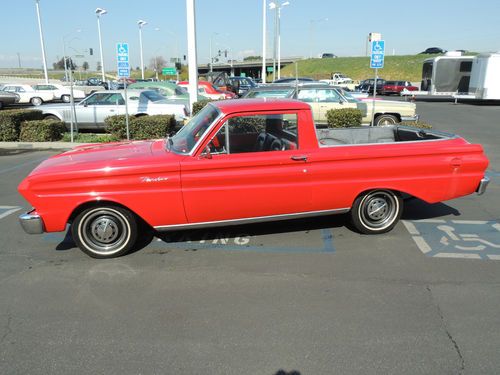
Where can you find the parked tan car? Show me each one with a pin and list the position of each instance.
(322, 98)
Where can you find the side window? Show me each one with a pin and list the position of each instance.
(328, 96)
(243, 134)
(307, 96)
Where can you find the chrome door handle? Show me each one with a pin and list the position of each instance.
(299, 158)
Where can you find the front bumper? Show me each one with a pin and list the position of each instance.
(482, 185)
(410, 118)
(32, 223)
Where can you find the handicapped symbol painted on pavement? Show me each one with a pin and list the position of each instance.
(456, 238)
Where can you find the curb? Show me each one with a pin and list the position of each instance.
(39, 145)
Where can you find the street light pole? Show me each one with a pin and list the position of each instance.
(141, 23)
(191, 44)
(44, 58)
(279, 36)
(264, 39)
(99, 12)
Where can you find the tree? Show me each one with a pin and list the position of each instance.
(85, 65)
(157, 62)
(59, 65)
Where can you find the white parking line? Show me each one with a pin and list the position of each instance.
(10, 210)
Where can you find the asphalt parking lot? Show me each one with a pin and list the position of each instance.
(310, 296)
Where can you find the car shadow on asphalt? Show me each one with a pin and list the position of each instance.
(417, 209)
(255, 230)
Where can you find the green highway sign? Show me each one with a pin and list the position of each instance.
(269, 69)
(169, 71)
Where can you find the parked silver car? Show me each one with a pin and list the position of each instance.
(91, 112)
(8, 98)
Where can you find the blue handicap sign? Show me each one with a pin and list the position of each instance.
(377, 55)
(123, 65)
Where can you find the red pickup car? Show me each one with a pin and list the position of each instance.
(395, 87)
(242, 161)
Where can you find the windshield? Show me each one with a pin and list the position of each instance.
(154, 96)
(185, 140)
(348, 96)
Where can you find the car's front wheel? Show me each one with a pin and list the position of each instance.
(105, 231)
(376, 211)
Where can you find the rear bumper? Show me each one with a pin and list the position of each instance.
(32, 223)
(482, 185)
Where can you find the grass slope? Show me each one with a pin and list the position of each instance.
(358, 68)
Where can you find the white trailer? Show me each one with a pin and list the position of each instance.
(485, 77)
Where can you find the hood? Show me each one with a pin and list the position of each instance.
(95, 157)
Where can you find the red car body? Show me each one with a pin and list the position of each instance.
(170, 191)
(210, 90)
(395, 87)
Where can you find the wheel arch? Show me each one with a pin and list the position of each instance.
(102, 202)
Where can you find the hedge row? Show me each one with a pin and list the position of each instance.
(343, 118)
(11, 120)
(199, 105)
(42, 131)
(142, 127)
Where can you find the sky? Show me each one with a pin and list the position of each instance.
(308, 27)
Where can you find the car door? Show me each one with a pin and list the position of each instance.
(91, 112)
(254, 169)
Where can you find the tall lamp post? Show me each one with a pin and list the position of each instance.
(44, 58)
(264, 39)
(141, 23)
(99, 12)
(277, 36)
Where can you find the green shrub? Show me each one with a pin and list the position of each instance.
(199, 105)
(42, 131)
(151, 127)
(116, 126)
(142, 127)
(417, 124)
(343, 118)
(10, 122)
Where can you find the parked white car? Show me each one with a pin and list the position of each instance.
(93, 110)
(60, 92)
(28, 94)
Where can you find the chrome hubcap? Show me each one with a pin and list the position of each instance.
(104, 230)
(379, 209)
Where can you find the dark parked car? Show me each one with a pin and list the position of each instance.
(243, 84)
(433, 50)
(367, 85)
(8, 98)
(328, 56)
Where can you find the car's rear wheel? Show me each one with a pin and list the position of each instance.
(386, 120)
(376, 211)
(65, 98)
(105, 231)
(36, 101)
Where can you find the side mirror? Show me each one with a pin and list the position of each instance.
(206, 153)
